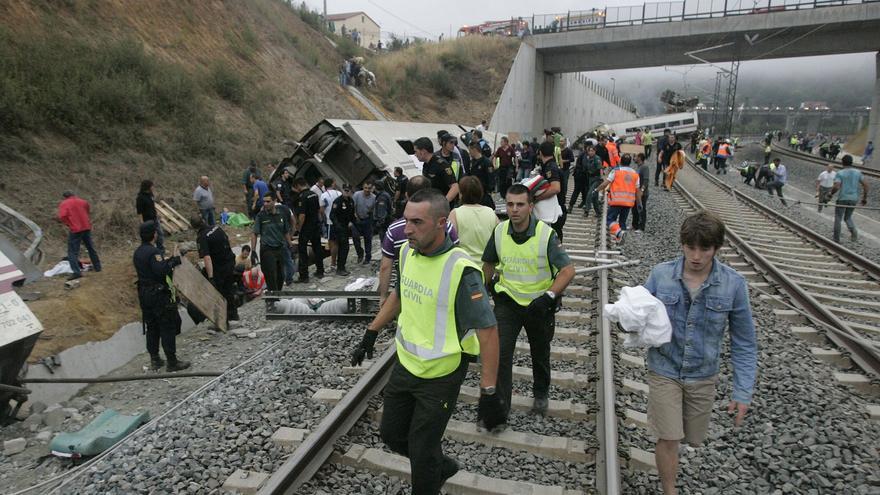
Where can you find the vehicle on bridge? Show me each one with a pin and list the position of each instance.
(509, 27)
(682, 124)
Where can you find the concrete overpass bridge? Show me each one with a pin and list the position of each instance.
(539, 91)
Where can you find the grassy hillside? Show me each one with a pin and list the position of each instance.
(457, 80)
(97, 95)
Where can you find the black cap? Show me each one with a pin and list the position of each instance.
(147, 229)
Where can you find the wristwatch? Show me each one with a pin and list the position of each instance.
(551, 294)
(487, 390)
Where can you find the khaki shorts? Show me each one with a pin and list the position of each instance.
(680, 410)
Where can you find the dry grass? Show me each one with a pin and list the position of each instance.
(421, 81)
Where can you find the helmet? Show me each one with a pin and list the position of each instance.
(727, 141)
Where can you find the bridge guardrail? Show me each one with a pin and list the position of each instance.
(674, 11)
(23, 232)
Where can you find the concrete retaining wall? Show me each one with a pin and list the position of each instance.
(533, 100)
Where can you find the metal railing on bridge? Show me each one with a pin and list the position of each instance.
(659, 12)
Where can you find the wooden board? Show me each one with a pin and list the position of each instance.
(176, 214)
(169, 220)
(196, 288)
(632, 149)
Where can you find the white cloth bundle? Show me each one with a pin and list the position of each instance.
(642, 315)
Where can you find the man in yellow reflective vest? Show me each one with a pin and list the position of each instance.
(533, 270)
(443, 321)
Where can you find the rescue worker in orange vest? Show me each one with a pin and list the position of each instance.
(725, 151)
(676, 162)
(613, 153)
(705, 151)
(623, 193)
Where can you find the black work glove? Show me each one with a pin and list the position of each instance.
(490, 411)
(542, 304)
(255, 260)
(364, 348)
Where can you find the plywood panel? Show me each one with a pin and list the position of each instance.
(196, 288)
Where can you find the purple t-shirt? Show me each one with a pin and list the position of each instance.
(394, 237)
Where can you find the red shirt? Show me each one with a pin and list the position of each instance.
(506, 156)
(74, 212)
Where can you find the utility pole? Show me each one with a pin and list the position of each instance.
(730, 105)
(326, 22)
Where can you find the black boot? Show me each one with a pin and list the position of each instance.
(156, 362)
(175, 364)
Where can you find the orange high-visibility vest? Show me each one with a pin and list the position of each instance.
(623, 188)
(706, 149)
(613, 154)
(724, 150)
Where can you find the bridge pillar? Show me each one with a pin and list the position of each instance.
(874, 117)
(533, 100)
(789, 122)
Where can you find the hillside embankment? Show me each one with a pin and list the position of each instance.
(96, 96)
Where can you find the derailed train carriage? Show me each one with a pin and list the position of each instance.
(352, 151)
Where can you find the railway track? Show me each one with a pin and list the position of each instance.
(808, 157)
(831, 286)
(583, 368)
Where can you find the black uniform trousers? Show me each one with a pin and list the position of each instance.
(162, 324)
(272, 264)
(640, 212)
(224, 282)
(416, 411)
(580, 189)
(343, 233)
(539, 329)
(310, 236)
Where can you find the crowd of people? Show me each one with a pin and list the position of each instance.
(445, 254)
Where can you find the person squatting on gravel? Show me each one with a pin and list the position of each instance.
(533, 269)
(846, 186)
(435, 343)
(158, 298)
(702, 297)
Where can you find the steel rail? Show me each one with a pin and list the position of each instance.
(855, 259)
(818, 160)
(607, 463)
(308, 458)
(862, 356)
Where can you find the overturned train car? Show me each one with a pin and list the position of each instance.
(352, 151)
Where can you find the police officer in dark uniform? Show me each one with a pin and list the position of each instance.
(342, 216)
(308, 221)
(436, 169)
(283, 192)
(219, 261)
(158, 298)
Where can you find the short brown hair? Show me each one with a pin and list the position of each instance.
(471, 190)
(702, 229)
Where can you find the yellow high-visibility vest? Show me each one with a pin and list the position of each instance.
(523, 269)
(427, 336)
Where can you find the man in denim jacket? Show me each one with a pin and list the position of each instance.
(702, 296)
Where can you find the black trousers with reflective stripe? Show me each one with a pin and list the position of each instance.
(540, 329)
(415, 413)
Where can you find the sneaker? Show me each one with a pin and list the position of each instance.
(301, 280)
(176, 365)
(540, 406)
(74, 276)
(342, 273)
(319, 275)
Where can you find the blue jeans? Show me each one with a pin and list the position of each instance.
(73, 242)
(208, 216)
(619, 213)
(845, 214)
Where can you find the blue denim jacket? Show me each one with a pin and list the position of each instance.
(698, 326)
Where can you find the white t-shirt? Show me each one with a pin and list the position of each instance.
(327, 200)
(317, 189)
(826, 178)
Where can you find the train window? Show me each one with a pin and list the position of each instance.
(632, 130)
(674, 123)
(687, 121)
(659, 126)
(407, 146)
